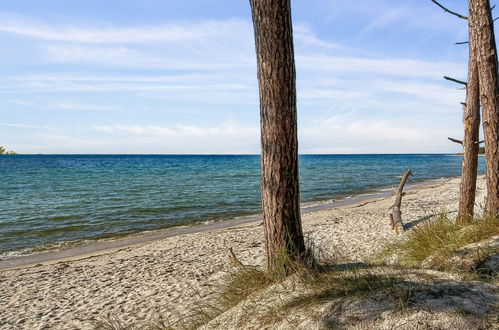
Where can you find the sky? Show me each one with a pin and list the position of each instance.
(176, 77)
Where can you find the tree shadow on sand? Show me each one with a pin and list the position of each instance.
(415, 222)
(406, 303)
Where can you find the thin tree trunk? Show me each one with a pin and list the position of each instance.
(279, 165)
(483, 25)
(470, 143)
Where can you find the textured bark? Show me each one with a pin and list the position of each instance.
(483, 25)
(396, 215)
(470, 143)
(279, 165)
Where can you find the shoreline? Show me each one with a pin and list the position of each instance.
(163, 280)
(113, 244)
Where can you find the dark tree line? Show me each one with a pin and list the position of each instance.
(3, 151)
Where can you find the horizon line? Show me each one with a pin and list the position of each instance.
(222, 154)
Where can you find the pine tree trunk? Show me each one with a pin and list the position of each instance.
(471, 121)
(279, 141)
(481, 21)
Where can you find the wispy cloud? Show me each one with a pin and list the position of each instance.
(178, 32)
(24, 126)
(305, 37)
(351, 99)
(385, 19)
(228, 137)
(386, 66)
(226, 129)
(406, 15)
(44, 104)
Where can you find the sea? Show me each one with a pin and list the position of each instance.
(48, 201)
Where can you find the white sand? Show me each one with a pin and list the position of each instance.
(168, 276)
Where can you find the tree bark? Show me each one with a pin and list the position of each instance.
(396, 215)
(483, 25)
(279, 141)
(471, 120)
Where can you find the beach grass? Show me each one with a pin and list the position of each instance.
(324, 277)
(434, 242)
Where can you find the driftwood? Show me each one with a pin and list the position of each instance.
(233, 259)
(396, 215)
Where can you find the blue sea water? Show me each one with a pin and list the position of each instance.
(46, 199)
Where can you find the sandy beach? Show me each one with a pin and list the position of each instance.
(166, 277)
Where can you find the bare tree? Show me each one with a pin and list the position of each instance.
(471, 121)
(279, 141)
(471, 141)
(482, 24)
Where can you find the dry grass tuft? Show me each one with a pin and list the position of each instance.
(329, 285)
(434, 241)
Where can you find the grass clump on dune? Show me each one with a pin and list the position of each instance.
(433, 242)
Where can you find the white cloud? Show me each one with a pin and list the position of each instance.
(386, 66)
(43, 104)
(226, 129)
(24, 126)
(305, 37)
(173, 32)
(346, 134)
(404, 15)
(212, 63)
(386, 18)
(226, 138)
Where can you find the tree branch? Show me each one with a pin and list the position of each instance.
(461, 142)
(455, 140)
(461, 43)
(456, 80)
(449, 11)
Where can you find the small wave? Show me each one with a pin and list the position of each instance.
(56, 246)
(208, 222)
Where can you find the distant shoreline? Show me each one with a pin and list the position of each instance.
(230, 154)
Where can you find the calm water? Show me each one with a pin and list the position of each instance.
(54, 198)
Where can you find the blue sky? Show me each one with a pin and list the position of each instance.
(164, 76)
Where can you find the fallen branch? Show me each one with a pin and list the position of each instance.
(396, 215)
(233, 259)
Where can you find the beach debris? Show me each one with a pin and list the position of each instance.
(396, 215)
(233, 259)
